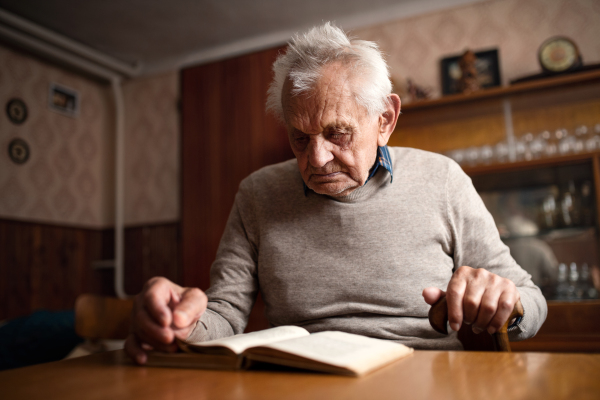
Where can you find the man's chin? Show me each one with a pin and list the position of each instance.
(333, 189)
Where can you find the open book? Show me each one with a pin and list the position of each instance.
(292, 346)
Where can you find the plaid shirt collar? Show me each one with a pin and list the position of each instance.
(383, 160)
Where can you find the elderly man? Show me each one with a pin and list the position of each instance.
(351, 235)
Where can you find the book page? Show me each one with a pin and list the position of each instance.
(241, 342)
(354, 352)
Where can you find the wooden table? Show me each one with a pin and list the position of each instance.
(432, 375)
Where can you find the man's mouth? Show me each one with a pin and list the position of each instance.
(325, 177)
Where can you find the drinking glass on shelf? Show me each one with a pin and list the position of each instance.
(486, 154)
(562, 287)
(472, 156)
(520, 150)
(550, 148)
(581, 136)
(457, 155)
(567, 145)
(573, 278)
(501, 152)
(536, 147)
(581, 130)
(586, 286)
(549, 212)
(560, 133)
(593, 143)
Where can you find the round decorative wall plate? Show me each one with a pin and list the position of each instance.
(18, 151)
(16, 111)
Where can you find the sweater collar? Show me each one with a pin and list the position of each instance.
(383, 160)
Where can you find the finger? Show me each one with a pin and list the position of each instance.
(506, 303)
(146, 347)
(487, 308)
(190, 308)
(432, 295)
(152, 333)
(157, 296)
(476, 287)
(454, 297)
(147, 343)
(134, 350)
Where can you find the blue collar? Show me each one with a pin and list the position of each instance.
(383, 159)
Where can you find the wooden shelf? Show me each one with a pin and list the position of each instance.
(503, 91)
(533, 164)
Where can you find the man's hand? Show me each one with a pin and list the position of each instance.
(162, 312)
(478, 298)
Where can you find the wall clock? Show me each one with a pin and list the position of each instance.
(559, 54)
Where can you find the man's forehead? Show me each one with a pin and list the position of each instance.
(330, 102)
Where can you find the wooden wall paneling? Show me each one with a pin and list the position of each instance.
(14, 278)
(151, 251)
(226, 135)
(47, 267)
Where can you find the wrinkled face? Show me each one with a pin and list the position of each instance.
(333, 138)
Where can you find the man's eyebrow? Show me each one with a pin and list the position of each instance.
(343, 128)
(297, 132)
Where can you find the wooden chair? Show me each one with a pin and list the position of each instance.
(99, 317)
(438, 318)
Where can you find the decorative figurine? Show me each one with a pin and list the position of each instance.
(468, 82)
(416, 92)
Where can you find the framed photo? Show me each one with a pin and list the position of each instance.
(488, 71)
(63, 100)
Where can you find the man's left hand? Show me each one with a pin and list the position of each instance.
(478, 298)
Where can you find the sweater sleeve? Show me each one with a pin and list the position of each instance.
(233, 275)
(477, 244)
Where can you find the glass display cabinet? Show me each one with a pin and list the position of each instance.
(533, 153)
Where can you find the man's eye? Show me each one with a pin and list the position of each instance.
(301, 142)
(339, 138)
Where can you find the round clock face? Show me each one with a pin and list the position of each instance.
(559, 54)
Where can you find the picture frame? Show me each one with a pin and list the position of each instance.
(63, 100)
(488, 71)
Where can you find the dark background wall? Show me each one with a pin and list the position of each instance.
(226, 135)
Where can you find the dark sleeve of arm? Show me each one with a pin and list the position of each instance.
(477, 244)
(233, 275)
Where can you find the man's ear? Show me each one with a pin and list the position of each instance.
(388, 119)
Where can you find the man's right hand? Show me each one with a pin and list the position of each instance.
(162, 312)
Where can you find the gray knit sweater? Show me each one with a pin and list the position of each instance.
(357, 264)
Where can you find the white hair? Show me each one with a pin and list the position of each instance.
(306, 56)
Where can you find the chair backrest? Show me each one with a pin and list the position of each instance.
(100, 317)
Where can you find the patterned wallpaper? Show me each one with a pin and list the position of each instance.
(65, 180)
(516, 27)
(69, 178)
(152, 149)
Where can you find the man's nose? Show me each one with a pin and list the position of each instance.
(319, 153)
